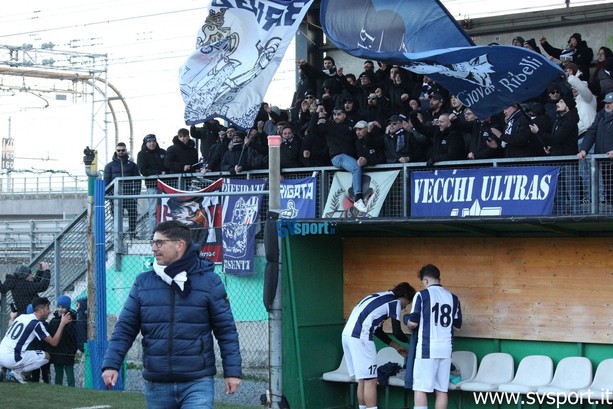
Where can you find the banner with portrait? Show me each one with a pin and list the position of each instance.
(202, 214)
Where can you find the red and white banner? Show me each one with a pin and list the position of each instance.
(202, 214)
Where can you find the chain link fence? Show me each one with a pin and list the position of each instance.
(128, 253)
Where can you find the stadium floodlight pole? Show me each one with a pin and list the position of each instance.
(273, 272)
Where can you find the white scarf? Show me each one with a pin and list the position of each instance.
(179, 279)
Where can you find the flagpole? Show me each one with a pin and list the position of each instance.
(274, 272)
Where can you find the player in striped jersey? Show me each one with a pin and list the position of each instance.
(365, 321)
(435, 314)
(13, 348)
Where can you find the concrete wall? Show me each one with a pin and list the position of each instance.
(37, 207)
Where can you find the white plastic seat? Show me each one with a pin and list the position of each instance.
(389, 354)
(533, 371)
(385, 355)
(572, 374)
(495, 369)
(466, 362)
(398, 379)
(602, 383)
(340, 374)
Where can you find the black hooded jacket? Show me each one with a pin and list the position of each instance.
(151, 163)
(564, 135)
(180, 154)
(23, 290)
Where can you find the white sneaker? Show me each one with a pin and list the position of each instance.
(360, 206)
(18, 376)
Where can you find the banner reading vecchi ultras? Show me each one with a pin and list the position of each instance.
(512, 191)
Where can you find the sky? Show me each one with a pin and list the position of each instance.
(146, 43)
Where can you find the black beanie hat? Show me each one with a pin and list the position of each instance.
(569, 100)
(149, 137)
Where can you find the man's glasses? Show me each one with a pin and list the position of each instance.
(338, 113)
(121, 150)
(554, 92)
(159, 243)
(309, 97)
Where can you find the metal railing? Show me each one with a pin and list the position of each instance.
(33, 240)
(68, 254)
(31, 184)
(24, 239)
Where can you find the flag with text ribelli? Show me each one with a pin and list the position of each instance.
(238, 50)
(421, 36)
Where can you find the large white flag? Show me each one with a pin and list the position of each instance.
(238, 50)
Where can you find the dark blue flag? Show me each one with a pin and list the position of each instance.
(298, 198)
(484, 192)
(421, 36)
(240, 223)
(390, 28)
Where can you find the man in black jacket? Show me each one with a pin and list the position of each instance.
(563, 141)
(369, 144)
(150, 161)
(291, 148)
(447, 141)
(600, 135)
(341, 146)
(122, 166)
(24, 286)
(236, 159)
(402, 143)
(517, 140)
(182, 155)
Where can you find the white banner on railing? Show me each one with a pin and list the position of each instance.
(375, 186)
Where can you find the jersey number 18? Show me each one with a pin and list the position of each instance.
(442, 314)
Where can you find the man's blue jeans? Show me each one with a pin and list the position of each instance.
(198, 394)
(152, 202)
(350, 164)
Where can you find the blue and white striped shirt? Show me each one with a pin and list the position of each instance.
(370, 313)
(437, 311)
(21, 333)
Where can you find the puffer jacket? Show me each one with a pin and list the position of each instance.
(151, 163)
(117, 168)
(599, 134)
(180, 154)
(178, 331)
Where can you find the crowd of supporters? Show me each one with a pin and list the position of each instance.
(387, 114)
(408, 117)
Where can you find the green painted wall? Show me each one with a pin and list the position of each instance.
(245, 292)
(312, 321)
